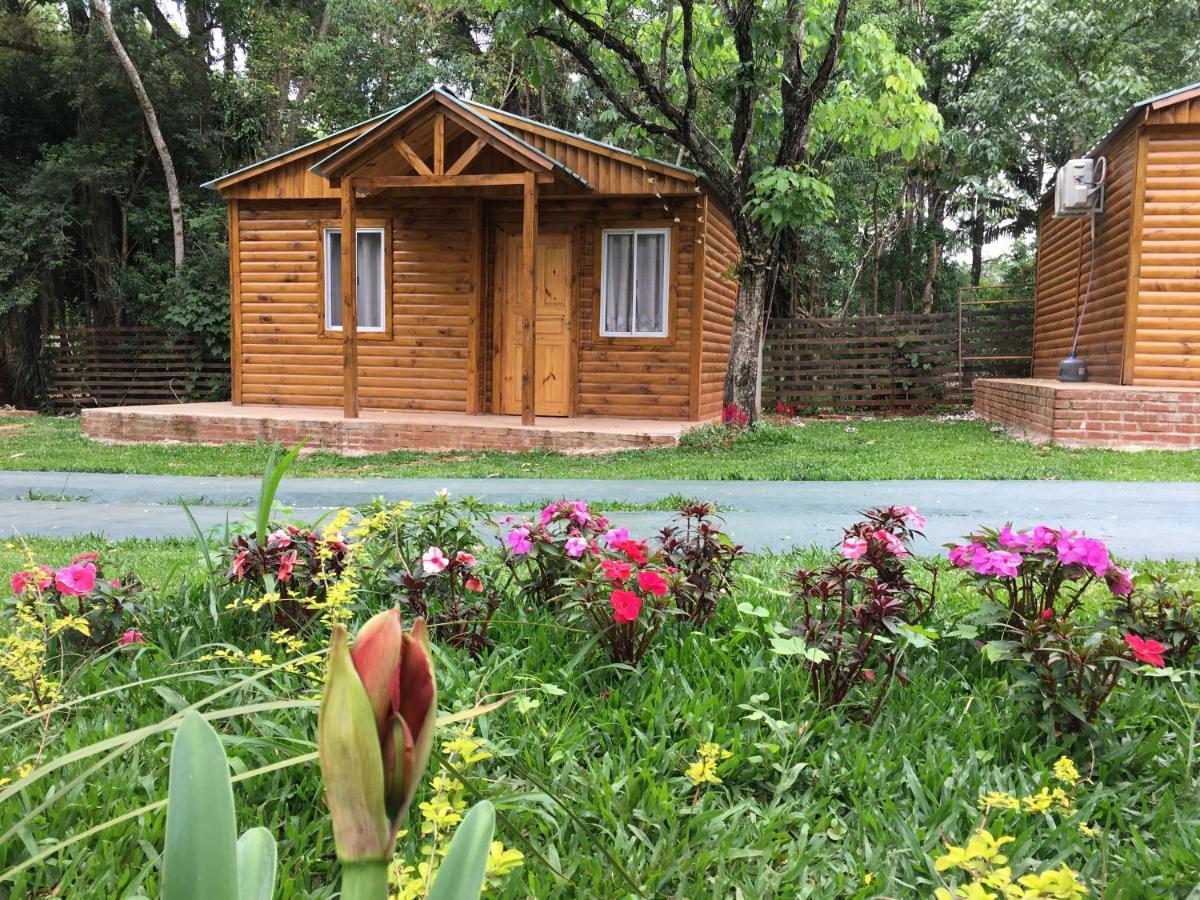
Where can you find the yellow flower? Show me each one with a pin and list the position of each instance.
(999, 800)
(438, 812)
(1088, 831)
(1065, 771)
(981, 848)
(868, 878)
(466, 747)
(1037, 803)
(1055, 884)
(502, 860)
(1061, 799)
(24, 770)
(703, 771)
(972, 891)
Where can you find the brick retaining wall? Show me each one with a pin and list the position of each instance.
(1124, 417)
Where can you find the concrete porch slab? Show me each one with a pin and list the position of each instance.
(374, 431)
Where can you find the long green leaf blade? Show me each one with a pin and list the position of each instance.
(256, 865)
(460, 876)
(200, 861)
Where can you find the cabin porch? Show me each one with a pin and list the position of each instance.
(373, 431)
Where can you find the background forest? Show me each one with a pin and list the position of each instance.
(85, 223)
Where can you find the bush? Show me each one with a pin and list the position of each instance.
(853, 611)
(77, 601)
(544, 552)
(1160, 611)
(694, 545)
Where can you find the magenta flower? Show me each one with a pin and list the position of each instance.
(547, 514)
(20, 581)
(964, 554)
(1119, 582)
(77, 579)
(626, 605)
(997, 562)
(575, 547)
(894, 545)
(239, 564)
(279, 539)
(854, 547)
(616, 536)
(1043, 536)
(1014, 540)
(132, 636)
(912, 517)
(518, 541)
(286, 563)
(434, 560)
(579, 512)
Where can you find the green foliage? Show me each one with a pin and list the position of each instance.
(460, 876)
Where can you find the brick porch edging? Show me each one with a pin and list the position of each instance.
(1121, 417)
(353, 436)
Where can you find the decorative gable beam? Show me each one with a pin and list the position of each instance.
(469, 154)
(414, 160)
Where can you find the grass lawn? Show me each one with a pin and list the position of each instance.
(587, 763)
(821, 450)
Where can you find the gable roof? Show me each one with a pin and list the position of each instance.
(503, 127)
(1159, 101)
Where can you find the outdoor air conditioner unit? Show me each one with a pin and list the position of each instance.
(1077, 190)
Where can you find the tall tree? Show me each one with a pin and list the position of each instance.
(743, 89)
(164, 155)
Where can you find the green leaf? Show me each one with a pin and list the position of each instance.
(750, 609)
(789, 646)
(200, 860)
(270, 485)
(460, 876)
(256, 865)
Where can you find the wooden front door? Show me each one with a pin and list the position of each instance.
(553, 289)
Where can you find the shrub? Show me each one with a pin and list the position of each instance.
(77, 601)
(1160, 611)
(694, 544)
(420, 555)
(543, 552)
(733, 416)
(620, 594)
(290, 570)
(852, 611)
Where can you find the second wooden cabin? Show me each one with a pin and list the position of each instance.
(503, 266)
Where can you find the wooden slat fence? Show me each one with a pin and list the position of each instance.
(906, 363)
(126, 366)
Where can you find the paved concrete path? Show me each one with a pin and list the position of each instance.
(1159, 520)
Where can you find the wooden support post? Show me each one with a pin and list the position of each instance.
(529, 233)
(235, 303)
(475, 310)
(349, 301)
(439, 144)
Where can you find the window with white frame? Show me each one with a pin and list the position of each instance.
(369, 290)
(633, 289)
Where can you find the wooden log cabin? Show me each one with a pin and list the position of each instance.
(1142, 321)
(503, 266)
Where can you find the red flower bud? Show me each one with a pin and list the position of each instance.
(1047, 614)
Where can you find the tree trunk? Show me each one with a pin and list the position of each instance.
(978, 227)
(164, 155)
(744, 371)
(935, 253)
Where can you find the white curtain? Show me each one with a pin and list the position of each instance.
(635, 273)
(370, 288)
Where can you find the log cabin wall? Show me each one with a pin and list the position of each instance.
(1164, 343)
(286, 357)
(721, 255)
(1064, 260)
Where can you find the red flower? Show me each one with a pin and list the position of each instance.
(85, 557)
(1150, 652)
(615, 570)
(626, 605)
(652, 582)
(1047, 614)
(286, 562)
(869, 674)
(464, 558)
(634, 551)
(474, 584)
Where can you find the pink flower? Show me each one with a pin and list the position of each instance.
(626, 605)
(912, 517)
(279, 539)
(579, 512)
(616, 536)
(518, 541)
(132, 636)
(964, 554)
(1119, 582)
(1149, 652)
(434, 560)
(615, 569)
(239, 564)
(547, 514)
(652, 582)
(575, 547)
(1014, 540)
(85, 557)
(20, 581)
(894, 545)
(997, 562)
(1083, 551)
(463, 558)
(1043, 536)
(474, 585)
(854, 547)
(286, 563)
(76, 579)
